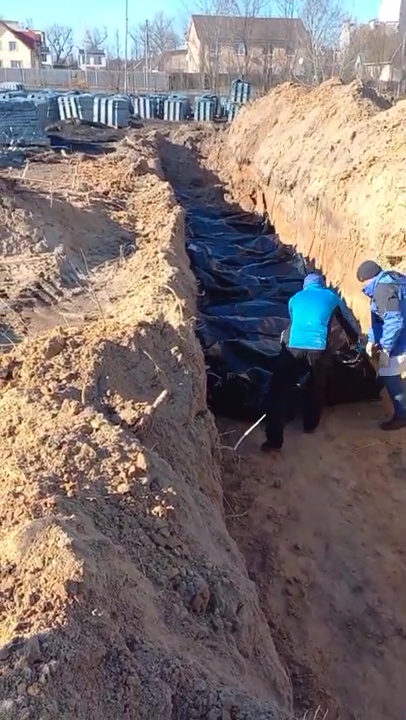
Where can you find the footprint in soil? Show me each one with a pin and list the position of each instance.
(396, 462)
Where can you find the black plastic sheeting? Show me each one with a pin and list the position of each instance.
(89, 147)
(246, 278)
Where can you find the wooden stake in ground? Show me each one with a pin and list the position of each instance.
(247, 432)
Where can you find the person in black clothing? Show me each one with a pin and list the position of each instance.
(302, 367)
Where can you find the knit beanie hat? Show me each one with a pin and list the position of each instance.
(314, 278)
(368, 270)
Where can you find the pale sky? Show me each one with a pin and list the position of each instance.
(97, 13)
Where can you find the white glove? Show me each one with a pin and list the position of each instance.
(370, 348)
(384, 359)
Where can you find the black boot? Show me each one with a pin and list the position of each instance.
(267, 447)
(393, 424)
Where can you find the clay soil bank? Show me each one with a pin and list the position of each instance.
(328, 165)
(321, 528)
(123, 593)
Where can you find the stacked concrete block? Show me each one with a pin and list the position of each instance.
(23, 121)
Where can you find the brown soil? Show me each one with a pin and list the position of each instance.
(321, 528)
(123, 593)
(132, 588)
(328, 165)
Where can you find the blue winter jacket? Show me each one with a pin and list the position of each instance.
(387, 292)
(312, 311)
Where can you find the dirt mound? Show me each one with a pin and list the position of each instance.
(63, 222)
(123, 591)
(328, 165)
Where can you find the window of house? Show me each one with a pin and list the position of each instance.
(97, 60)
(214, 48)
(268, 49)
(12, 46)
(16, 64)
(239, 48)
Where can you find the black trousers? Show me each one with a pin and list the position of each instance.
(298, 383)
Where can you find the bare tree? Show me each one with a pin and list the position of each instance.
(368, 50)
(323, 20)
(351, 45)
(216, 26)
(248, 58)
(95, 38)
(163, 36)
(60, 41)
(288, 8)
(234, 47)
(215, 7)
(115, 62)
(252, 8)
(154, 38)
(286, 57)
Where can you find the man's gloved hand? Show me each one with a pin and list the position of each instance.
(371, 349)
(384, 359)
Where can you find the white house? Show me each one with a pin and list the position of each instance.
(92, 58)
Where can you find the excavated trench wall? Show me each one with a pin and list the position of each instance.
(124, 593)
(328, 165)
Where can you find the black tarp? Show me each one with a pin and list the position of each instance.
(246, 277)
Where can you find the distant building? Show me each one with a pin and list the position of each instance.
(393, 12)
(172, 61)
(376, 51)
(92, 58)
(22, 48)
(244, 44)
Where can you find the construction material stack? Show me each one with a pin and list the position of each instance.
(113, 111)
(205, 108)
(13, 86)
(176, 109)
(240, 93)
(23, 121)
(144, 107)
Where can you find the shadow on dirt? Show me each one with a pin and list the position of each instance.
(65, 243)
(180, 163)
(246, 277)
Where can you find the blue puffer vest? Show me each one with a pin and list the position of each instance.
(311, 311)
(388, 327)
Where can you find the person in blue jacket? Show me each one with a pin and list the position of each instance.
(386, 291)
(304, 358)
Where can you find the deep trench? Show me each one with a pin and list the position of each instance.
(239, 348)
(245, 278)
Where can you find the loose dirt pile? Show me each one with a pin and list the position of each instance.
(61, 222)
(123, 593)
(328, 164)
